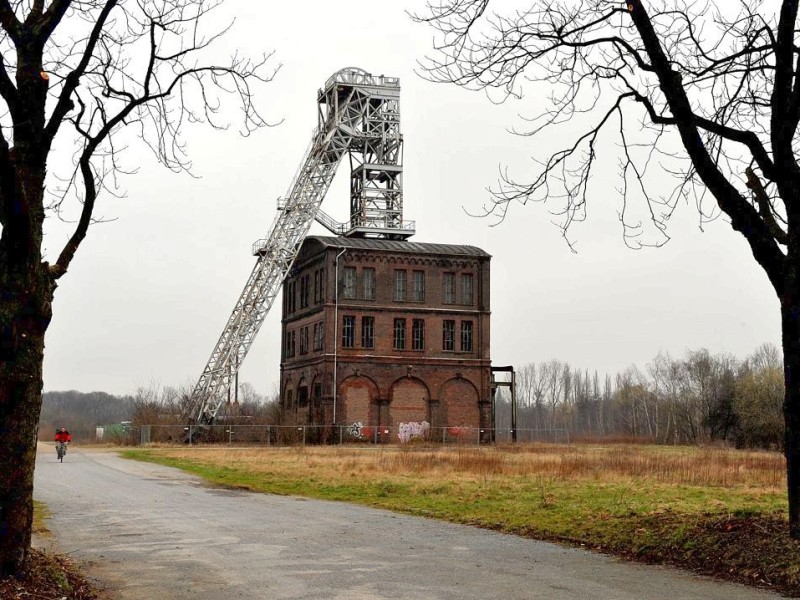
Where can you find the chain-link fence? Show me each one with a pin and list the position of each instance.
(353, 434)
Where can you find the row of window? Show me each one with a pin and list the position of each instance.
(318, 339)
(302, 395)
(450, 291)
(400, 338)
(305, 290)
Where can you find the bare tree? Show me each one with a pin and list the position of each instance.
(757, 398)
(87, 77)
(631, 396)
(666, 377)
(708, 92)
(553, 374)
(766, 356)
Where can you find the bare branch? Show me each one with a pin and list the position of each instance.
(9, 21)
(59, 268)
(765, 207)
(702, 76)
(156, 97)
(73, 79)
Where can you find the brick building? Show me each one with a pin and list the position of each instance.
(406, 339)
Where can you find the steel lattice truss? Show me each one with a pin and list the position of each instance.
(376, 174)
(359, 114)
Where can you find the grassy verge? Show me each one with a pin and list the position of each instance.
(719, 512)
(40, 515)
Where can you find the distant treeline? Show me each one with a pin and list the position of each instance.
(698, 398)
(81, 413)
(159, 405)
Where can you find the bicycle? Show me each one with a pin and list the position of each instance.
(61, 450)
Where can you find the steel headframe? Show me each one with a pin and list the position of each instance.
(358, 114)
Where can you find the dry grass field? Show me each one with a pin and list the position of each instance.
(716, 510)
(709, 467)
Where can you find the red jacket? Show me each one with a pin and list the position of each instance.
(63, 436)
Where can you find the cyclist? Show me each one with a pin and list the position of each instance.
(63, 438)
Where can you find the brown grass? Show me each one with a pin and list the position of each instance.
(706, 467)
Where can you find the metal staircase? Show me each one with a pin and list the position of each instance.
(359, 115)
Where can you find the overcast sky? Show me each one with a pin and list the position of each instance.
(149, 292)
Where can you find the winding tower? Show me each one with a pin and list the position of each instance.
(358, 116)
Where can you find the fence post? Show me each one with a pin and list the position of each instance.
(444, 436)
(190, 435)
(268, 436)
(340, 434)
(304, 435)
(144, 434)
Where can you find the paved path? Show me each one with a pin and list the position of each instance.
(153, 532)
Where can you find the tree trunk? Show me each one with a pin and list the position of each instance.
(25, 312)
(26, 292)
(790, 318)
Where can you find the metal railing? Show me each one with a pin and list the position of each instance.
(354, 434)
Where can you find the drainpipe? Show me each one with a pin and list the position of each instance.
(336, 329)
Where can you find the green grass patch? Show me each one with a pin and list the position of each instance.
(40, 515)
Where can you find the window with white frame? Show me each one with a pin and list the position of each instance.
(399, 334)
(349, 283)
(449, 288)
(418, 334)
(348, 331)
(466, 336)
(418, 286)
(448, 335)
(467, 287)
(368, 283)
(400, 285)
(367, 332)
(319, 335)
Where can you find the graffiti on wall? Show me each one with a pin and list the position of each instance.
(409, 431)
(405, 431)
(458, 432)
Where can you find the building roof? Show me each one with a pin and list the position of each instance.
(398, 246)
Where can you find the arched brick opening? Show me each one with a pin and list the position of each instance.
(357, 401)
(287, 398)
(408, 402)
(459, 403)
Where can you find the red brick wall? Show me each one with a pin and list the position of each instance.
(408, 402)
(356, 400)
(460, 400)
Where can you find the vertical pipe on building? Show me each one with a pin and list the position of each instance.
(513, 387)
(336, 327)
(481, 303)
